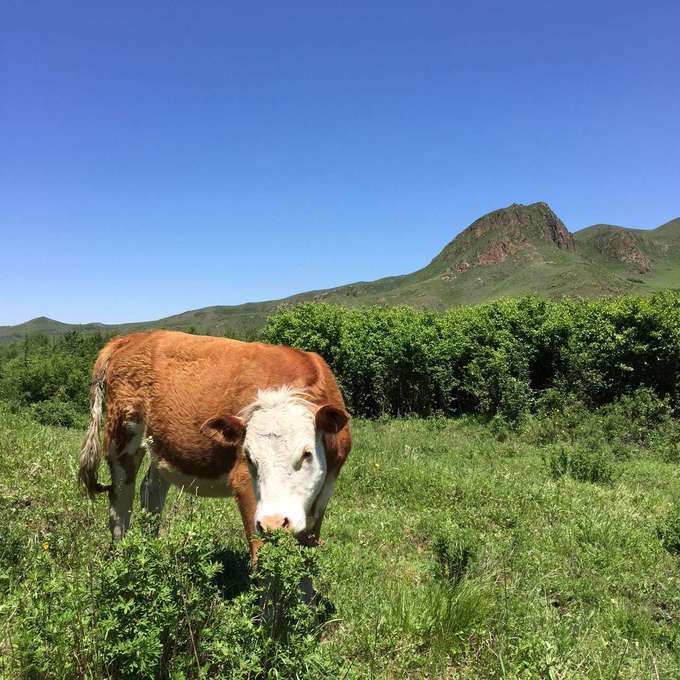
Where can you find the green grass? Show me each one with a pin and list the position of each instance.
(447, 554)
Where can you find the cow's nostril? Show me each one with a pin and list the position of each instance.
(285, 523)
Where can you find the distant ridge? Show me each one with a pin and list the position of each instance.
(515, 250)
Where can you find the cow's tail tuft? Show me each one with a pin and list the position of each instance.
(91, 453)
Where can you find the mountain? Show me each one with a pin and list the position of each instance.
(511, 251)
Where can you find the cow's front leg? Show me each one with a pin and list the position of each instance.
(246, 506)
(241, 488)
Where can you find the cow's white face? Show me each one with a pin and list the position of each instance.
(287, 463)
(281, 436)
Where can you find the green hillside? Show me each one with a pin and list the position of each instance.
(511, 251)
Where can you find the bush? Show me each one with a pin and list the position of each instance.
(634, 424)
(636, 418)
(669, 529)
(273, 632)
(156, 608)
(51, 376)
(153, 601)
(496, 358)
(505, 358)
(583, 464)
(56, 412)
(453, 550)
(670, 448)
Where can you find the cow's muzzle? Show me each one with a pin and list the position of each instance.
(273, 522)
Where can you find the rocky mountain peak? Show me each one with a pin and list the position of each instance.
(500, 234)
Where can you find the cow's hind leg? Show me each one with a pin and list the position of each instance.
(124, 456)
(154, 491)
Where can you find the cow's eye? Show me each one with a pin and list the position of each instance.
(306, 456)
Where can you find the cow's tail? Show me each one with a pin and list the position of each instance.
(91, 453)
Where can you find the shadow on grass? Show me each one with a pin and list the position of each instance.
(234, 578)
(326, 609)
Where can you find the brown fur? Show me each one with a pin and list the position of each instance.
(174, 383)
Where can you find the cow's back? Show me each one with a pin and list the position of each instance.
(174, 382)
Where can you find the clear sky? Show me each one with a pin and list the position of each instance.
(158, 157)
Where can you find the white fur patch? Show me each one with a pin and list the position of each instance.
(280, 430)
(210, 487)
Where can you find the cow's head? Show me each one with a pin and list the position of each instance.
(282, 438)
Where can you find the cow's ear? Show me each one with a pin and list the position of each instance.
(225, 430)
(331, 419)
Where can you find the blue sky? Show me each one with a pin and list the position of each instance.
(158, 157)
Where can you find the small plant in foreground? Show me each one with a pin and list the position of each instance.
(669, 529)
(453, 549)
(583, 464)
(270, 632)
(441, 616)
(154, 598)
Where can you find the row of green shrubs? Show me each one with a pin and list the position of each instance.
(501, 358)
(494, 358)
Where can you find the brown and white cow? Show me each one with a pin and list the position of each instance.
(263, 423)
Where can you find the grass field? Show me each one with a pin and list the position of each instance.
(452, 549)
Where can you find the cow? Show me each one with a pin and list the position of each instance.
(263, 423)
